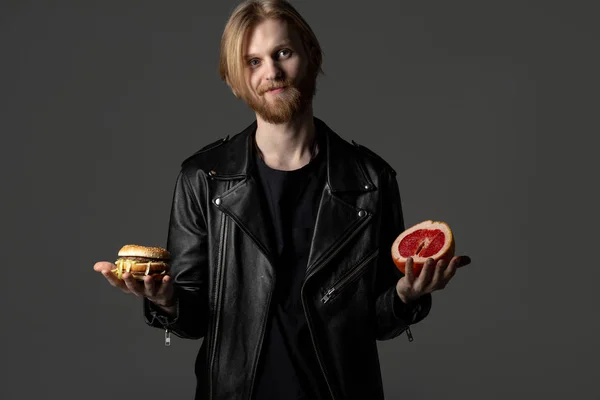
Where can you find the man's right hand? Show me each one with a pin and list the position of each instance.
(160, 293)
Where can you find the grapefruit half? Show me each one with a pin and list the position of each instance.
(427, 239)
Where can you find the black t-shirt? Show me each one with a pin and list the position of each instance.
(288, 367)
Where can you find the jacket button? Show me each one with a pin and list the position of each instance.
(362, 213)
(367, 187)
(218, 201)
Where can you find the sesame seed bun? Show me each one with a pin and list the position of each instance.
(134, 250)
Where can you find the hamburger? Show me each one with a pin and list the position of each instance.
(140, 261)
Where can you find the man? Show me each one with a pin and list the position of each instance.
(280, 237)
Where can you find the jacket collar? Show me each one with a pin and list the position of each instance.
(344, 169)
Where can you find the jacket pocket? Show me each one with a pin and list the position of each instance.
(348, 278)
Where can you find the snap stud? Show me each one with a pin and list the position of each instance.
(218, 201)
(362, 213)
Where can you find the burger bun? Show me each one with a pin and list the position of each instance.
(140, 261)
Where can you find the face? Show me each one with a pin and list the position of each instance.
(277, 72)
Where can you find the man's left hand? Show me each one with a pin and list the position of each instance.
(431, 278)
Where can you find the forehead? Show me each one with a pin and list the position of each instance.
(268, 34)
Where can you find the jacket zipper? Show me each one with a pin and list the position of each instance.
(219, 274)
(307, 313)
(261, 342)
(167, 337)
(341, 284)
(351, 276)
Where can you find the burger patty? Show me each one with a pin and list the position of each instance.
(144, 259)
(139, 267)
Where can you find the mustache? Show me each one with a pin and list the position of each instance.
(265, 88)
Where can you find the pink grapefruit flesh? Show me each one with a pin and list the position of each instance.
(427, 239)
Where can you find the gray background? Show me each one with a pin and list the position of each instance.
(480, 106)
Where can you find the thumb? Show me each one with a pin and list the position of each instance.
(104, 266)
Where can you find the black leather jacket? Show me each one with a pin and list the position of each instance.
(223, 275)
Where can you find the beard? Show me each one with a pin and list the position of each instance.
(283, 106)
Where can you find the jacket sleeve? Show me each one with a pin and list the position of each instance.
(393, 316)
(187, 243)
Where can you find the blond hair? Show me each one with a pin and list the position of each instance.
(244, 17)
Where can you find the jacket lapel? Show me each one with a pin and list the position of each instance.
(244, 201)
(338, 219)
(245, 204)
(337, 222)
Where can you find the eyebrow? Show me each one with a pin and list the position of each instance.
(280, 45)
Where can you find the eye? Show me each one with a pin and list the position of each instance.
(285, 53)
(253, 62)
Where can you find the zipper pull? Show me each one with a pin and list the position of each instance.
(167, 337)
(328, 295)
(409, 334)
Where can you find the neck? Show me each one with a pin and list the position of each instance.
(287, 146)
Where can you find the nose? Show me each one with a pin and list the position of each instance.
(273, 70)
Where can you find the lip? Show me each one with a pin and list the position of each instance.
(278, 90)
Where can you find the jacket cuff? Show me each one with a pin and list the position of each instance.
(412, 312)
(156, 317)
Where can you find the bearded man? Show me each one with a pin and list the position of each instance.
(280, 237)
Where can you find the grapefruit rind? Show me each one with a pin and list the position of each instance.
(446, 252)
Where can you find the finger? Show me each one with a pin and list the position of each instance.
(133, 285)
(424, 278)
(102, 266)
(408, 269)
(159, 291)
(451, 270)
(165, 291)
(463, 260)
(438, 274)
(150, 287)
(164, 286)
(114, 280)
